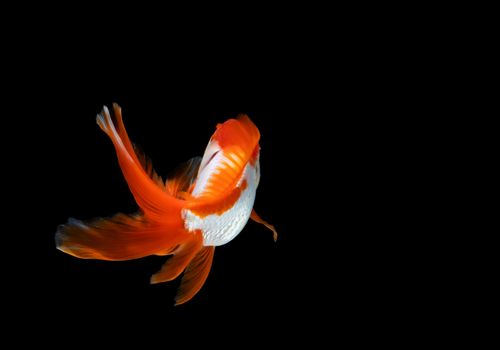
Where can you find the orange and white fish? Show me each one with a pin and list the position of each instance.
(206, 204)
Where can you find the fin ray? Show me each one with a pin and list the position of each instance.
(255, 217)
(176, 264)
(156, 203)
(183, 177)
(195, 275)
(121, 237)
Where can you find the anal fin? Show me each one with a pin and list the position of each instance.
(195, 275)
(182, 257)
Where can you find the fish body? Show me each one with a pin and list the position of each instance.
(205, 204)
(218, 229)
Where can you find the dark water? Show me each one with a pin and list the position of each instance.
(317, 187)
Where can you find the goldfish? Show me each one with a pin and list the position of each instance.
(206, 203)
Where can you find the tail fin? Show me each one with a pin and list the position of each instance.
(158, 229)
(121, 237)
(149, 193)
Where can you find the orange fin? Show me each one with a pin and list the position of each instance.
(156, 203)
(147, 165)
(179, 182)
(255, 217)
(195, 275)
(182, 256)
(121, 237)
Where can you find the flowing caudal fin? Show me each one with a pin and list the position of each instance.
(121, 237)
(147, 165)
(255, 217)
(195, 275)
(181, 258)
(149, 193)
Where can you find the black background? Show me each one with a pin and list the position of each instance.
(321, 160)
(70, 170)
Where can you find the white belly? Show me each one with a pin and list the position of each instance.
(220, 229)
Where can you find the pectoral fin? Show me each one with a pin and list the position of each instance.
(255, 217)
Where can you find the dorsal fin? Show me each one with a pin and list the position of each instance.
(179, 182)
